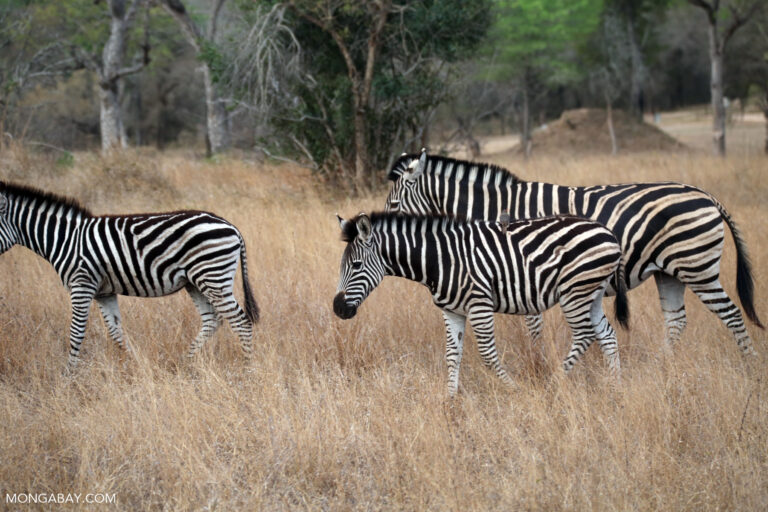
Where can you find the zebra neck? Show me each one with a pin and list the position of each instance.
(50, 230)
(419, 248)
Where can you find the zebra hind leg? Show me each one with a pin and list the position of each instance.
(671, 295)
(605, 335)
(577, 314)
(481, 319)
(534, 325)
(210, 318)
(111, 314)
(225, 304)
(455, 325)
(717, 301)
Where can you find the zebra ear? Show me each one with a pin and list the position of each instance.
(363, 223)
(418, 166)
(342, 222)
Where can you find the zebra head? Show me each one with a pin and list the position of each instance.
(361, 266)
(8, 234)
(407, 194)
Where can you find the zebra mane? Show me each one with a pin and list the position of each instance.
(349, 232)
(32, 193)
(491, 170)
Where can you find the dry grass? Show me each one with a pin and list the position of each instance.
(353, 415)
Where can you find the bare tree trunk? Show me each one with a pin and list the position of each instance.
(716, 78)
(611, 131)
(217, 118)
(637, 73)
(525, 135)
(361, 148)
(764, 106)
(111, 116)
(717, 42)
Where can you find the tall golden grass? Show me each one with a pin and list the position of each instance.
(348, 415)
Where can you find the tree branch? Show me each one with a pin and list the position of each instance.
(710, 9)
(212, 23)
(177, 10)
(739, 20)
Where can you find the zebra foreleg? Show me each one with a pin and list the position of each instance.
(455, 325)
(481, 319)
(671, 296)
(111, 314)
(717, 301)
(210, 318)
(81, 297)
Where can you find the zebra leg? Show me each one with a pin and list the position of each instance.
(211, 320)
(455, 325)
(81, 297)
(111, 314)
(671, 295)
(606, 336)
(481, 319)
(226, 305)
(714, 297)
(577, 314)
(534, 324)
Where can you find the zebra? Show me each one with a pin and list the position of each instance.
(143, 255)
(668, 230)
(475, 269)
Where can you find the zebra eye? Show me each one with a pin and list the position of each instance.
(357, 264)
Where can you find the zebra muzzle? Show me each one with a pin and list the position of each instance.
(341, 308)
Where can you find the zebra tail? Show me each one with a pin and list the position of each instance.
(251, 308)
(622, 302)
(745, 284)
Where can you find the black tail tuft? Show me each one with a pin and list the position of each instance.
(745, 284)
(622, 302)
(251, 308)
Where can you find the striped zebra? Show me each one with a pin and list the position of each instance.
(668, 230)
(475, 269)
(143, 255)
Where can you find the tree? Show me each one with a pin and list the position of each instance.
(737, 14)
(110, 71)
(372, 74)
(78, 36)
(533, 41)
(218, 136)
(328, 17)
(611, 63)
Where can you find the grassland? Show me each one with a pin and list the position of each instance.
(353, 415)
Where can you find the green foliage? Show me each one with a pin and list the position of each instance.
(66, 160)
(409, 80)
(211, 55)
(540, 35)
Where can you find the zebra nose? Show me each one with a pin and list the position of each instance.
(341, 308)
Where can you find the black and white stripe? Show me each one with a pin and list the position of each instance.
(144, 255)
(668, 230)
(475, 269)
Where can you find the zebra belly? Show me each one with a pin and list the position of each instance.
(137, 286)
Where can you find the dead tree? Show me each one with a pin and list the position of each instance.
(718, 39)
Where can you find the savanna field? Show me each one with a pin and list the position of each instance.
(354, 415)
